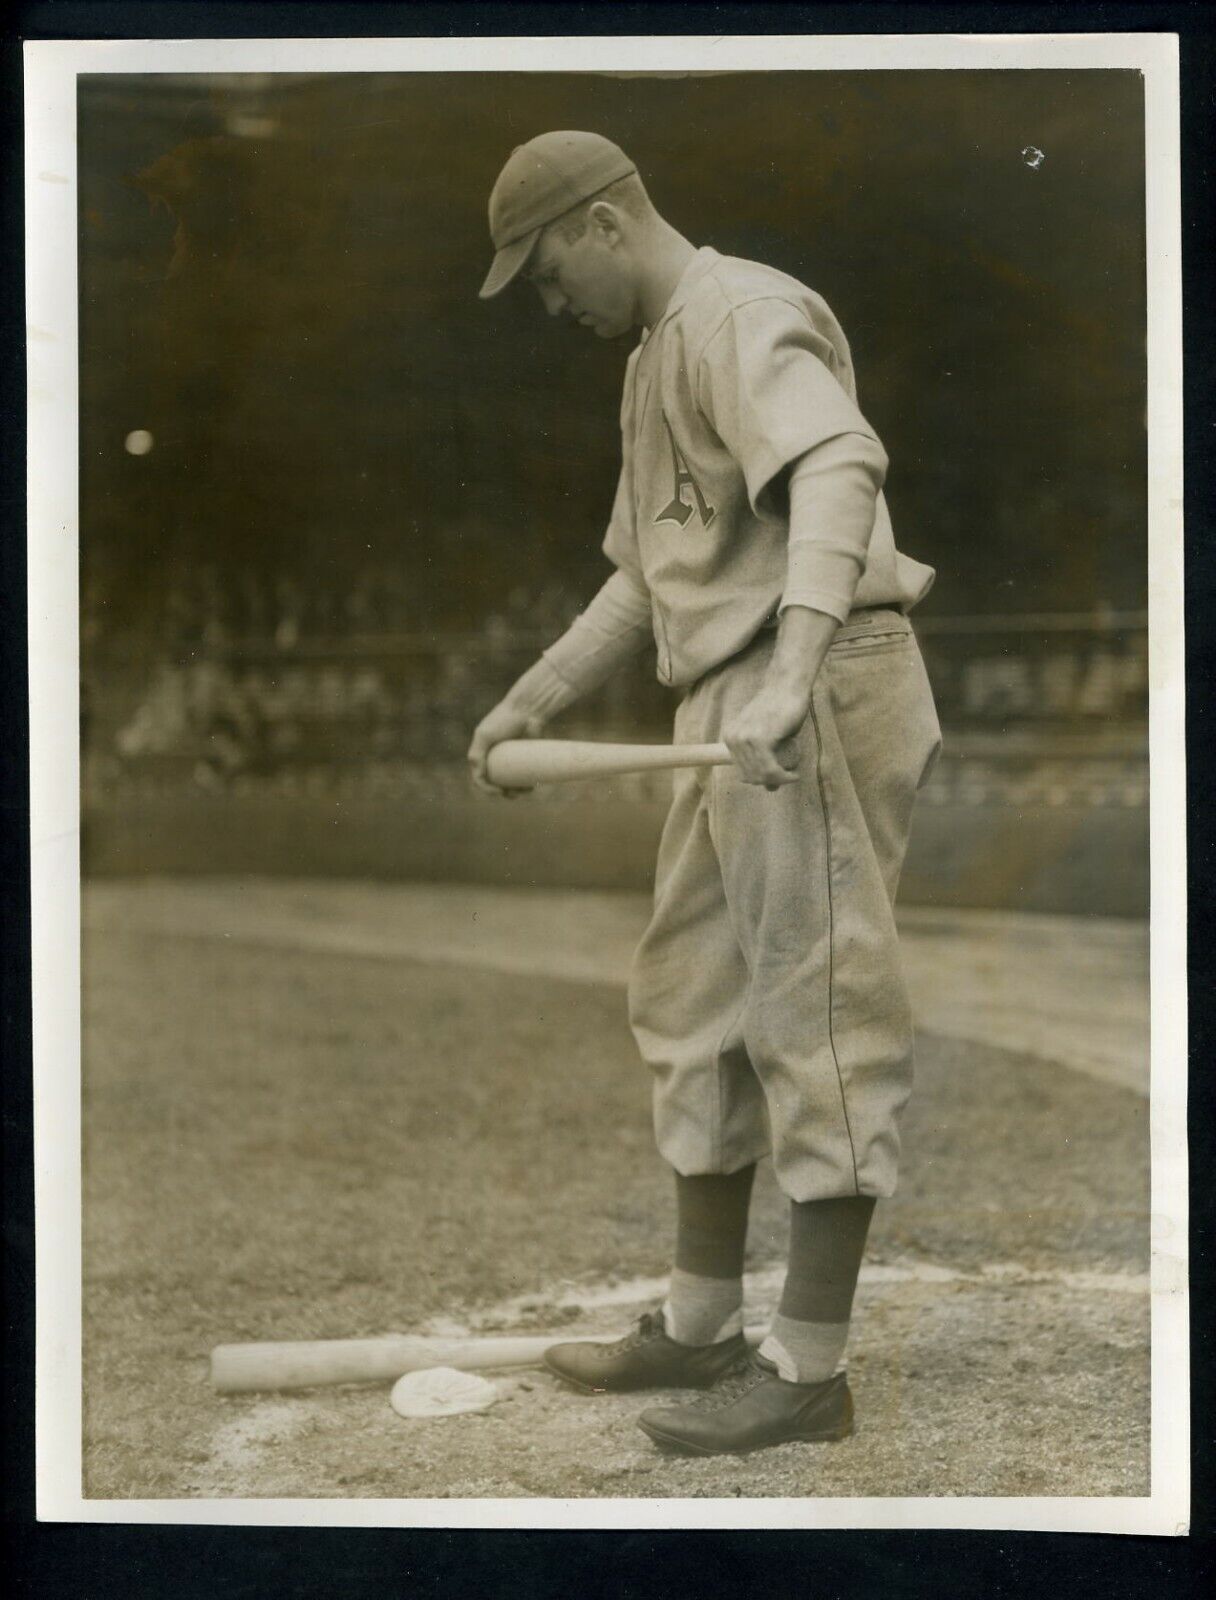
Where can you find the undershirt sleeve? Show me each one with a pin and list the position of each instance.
(833, 491)
(613, 629)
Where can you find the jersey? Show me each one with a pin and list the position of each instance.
(745, 372)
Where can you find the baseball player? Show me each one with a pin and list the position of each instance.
(750, 540)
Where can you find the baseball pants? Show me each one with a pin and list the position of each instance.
(766, 994)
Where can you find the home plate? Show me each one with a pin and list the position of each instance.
(441, 1392)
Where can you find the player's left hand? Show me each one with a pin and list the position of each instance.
(762, 737)
(503, 721)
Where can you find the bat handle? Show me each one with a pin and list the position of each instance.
(701, 755)
(521, 763)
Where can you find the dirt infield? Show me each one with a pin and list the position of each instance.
(290, 1143)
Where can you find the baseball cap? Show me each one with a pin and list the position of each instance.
(541, 180)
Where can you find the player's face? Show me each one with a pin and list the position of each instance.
(585, 279)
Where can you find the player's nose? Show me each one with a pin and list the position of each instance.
(554, 300)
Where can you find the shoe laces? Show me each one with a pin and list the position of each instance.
(740, 1380)
(649, 1326)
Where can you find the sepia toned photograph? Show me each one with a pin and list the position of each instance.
(615, 690)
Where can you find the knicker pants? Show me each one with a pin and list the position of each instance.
(766, 994)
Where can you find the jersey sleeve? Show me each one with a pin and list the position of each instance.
(765, 384)
(621, 538)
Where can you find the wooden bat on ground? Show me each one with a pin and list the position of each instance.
(237, 1368)
(520, 763)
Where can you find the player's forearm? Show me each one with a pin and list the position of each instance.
(832, 494)
(612, 630)
(833, 490)
(804, 637)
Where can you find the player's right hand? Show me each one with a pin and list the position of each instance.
(505, 721)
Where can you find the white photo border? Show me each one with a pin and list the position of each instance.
(51, 69)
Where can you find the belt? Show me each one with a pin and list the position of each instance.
(773, 620)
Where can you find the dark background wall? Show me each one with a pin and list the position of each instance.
(279, 275)
(370, 497)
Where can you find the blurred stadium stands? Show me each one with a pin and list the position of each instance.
(256, 687)
(261, 683)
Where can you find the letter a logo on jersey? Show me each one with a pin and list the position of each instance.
(678, 510)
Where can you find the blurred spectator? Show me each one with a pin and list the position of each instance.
(289, 612)
(997, 686)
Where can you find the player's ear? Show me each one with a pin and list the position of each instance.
(606, 220)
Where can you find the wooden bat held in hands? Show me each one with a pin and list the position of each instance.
(521, 763)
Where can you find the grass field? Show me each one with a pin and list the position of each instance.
(282, 1143)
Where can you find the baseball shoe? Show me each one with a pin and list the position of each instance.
(644, 1359)
(763, 1410)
